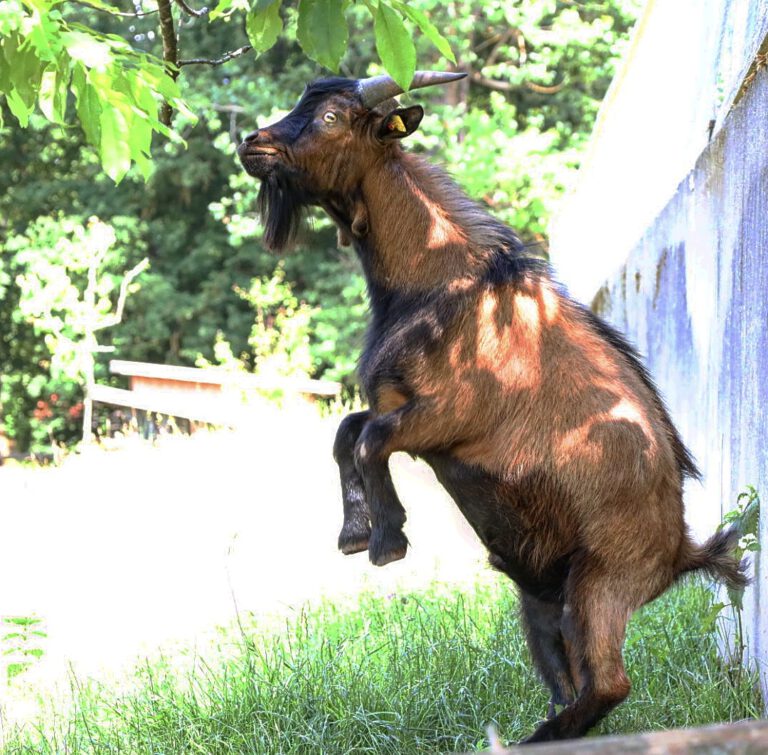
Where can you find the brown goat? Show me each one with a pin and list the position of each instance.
(536, 416)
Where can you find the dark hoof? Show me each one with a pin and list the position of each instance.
(389, 557)
(353, 540)
(545, 732)
(385, 550)
(353, 546)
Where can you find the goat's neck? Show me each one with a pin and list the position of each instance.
(414, 243)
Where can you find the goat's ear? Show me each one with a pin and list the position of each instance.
(401, 122)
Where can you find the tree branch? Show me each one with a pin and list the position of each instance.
(217, 61)
(503, 39)
(500, 86)
(170, 52)
(191, 11)
(115, 318)
(505, 86)
(521, 48)
(541, 89)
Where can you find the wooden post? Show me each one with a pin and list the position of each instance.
(741, 738)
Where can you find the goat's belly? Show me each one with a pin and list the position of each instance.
(525, 540)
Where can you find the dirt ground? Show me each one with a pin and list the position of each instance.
(120, 552)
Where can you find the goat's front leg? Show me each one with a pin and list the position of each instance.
(356, 529)
(403, 429)
(416, 426)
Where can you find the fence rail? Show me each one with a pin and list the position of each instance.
(220, 377)
(215, 396)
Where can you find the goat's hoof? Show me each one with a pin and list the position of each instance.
(545, 732)
(353, 542)
(385, 550)
(353, 546)
(389, 557)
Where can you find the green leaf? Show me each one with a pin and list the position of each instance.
(88, 106)
(394, 45)
(736, 596)
(322, 31)
(14, 669)
(226, 8)
(43, 34)
(709, 620)
(5, 71)
(53, 94)
(263, 25)
(428, 29)
(25, 71)
(17, 106)
(86, 49)
(114, 150)
(10, 18)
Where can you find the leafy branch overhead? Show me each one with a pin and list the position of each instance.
(123, 95)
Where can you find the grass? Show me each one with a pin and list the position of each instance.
(421, 672)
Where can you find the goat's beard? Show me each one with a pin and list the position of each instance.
(281, 205)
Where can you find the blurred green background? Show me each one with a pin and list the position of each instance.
(512, 134)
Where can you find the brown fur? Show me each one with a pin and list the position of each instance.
(536, 417)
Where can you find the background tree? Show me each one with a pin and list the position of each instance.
(512, 134)
(65, 293)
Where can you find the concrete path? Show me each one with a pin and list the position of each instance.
(120, 552)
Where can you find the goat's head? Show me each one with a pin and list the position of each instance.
(324, 146)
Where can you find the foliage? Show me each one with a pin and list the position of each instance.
(56, 256)
(279, 338)
(46, 54)
(511, 133)
(20, 643)
(410, 672)
(519, 174)
(745, 518)
(65, 293)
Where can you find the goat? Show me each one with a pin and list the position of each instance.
(536, 416)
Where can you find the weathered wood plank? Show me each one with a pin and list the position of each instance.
(741, 738)
(213, 376)
(214, 409)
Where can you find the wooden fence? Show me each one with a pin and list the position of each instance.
(215, 396)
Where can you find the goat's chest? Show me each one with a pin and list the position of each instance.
(401, 348)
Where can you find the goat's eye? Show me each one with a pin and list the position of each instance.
(330, 117)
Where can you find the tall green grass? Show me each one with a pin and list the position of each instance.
(420, 672)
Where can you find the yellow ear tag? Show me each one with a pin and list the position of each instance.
(396, 124)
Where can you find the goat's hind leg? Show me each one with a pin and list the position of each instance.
(356, 529)
(594, 624)
(542, 622)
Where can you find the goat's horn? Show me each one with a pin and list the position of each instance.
(376, 89)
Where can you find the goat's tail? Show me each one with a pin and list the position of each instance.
(716, 558)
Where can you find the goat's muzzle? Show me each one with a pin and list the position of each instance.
(257, 155)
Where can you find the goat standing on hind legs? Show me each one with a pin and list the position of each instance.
(536, 416)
